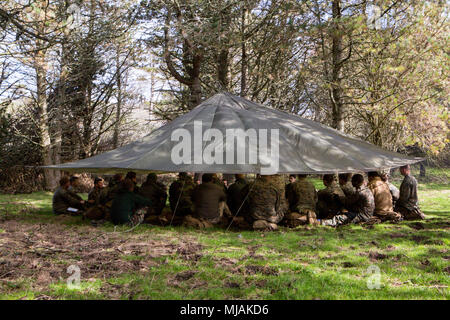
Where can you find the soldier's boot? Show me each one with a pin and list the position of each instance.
(263, 225)
(312, 218)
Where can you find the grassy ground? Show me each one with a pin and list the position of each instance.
(36, 248)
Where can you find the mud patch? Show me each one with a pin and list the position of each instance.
(265, 270)
(377, 256)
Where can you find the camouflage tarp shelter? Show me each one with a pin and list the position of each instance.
(305, 146)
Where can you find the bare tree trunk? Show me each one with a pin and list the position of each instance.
(243, 55)
(44, 130)
(119, 100)
(336, 90)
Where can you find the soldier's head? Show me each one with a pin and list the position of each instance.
(128, 185)
(207, 177)
(239, 176)
(372, 175)
(118, 177)
(358, 180)
(405, 170)
(132, 176)
(64, 182)
(292, 178)
(182, 175)
(328, 179)
(344, 178)
(73, 181)
(151, 178)
(98, 182)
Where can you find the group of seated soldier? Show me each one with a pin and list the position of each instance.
(262, 204)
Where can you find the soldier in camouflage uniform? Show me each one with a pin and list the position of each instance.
(114, 186)
(288, 192)
(408, 202)
(180, 192)
(218, 182)
(345, 182)
(210, 208)
(303, 203)
(156, 191)
(97, 201)
(331, 199)
(360, 204)
(97, 194)
(235, 197)
(73, 187)
(383, 198)
(266, 204)
(62, 198)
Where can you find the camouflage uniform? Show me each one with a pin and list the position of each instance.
(98, 196)
(347, 188)
(408, 203)
(289, 194)
(266, 204)
(383, 200)
(302, 203)
(97, 210)
(235, 196)
(210, 207)
(63, 199)
(180, 192)
(330, 201)
(361, 206)
(157, 192)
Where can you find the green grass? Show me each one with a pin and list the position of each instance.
(318, 263)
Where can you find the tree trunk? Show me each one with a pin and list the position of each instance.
(336, 51)
(44, 130)
(243, 55)
(119, 100)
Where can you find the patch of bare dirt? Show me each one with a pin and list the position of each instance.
(185, 275)
(42, 253)
(377, 256)
(265, 270)
(417, 225)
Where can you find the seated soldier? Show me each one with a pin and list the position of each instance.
(125, 206)
(218, 182)
(114, 185)
(345, 182)
(266, 203)
(96, 201)
(131, 175)
(331, 199)
(288, 192)
(180, 192)
(156, 191)
(395, 193)
(383, 198)
(234, 194)
(408, 202)
(74, 182)
(360, 204)
(63, 199)
(209, 204)
(303, 205)
(95, 196)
